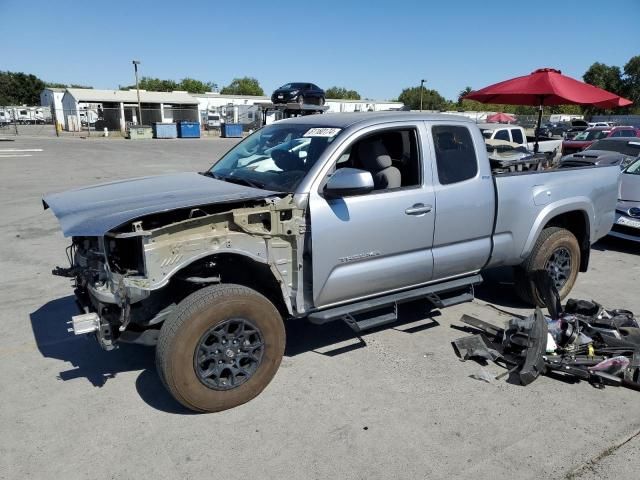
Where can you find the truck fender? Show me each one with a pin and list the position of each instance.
(549, 212)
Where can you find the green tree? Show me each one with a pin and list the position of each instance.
(463, 93)
(631, 82)
(55, 85)
(604, 76)
(431, 99)
(341, 92)
(17, 88)
(194, 86)
(243, 86)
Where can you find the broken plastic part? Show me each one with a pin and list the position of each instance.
(475, 347)
(613, 365)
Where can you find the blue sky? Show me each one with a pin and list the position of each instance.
(375, 47)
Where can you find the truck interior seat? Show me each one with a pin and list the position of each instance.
(375, 158)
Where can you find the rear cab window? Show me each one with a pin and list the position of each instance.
(516, 134)
(456, 158)
(502, 135)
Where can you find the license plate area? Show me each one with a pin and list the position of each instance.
(628, 222)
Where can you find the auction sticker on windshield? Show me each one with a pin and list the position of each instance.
(322, 132)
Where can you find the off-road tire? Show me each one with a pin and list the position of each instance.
(550, 240)
(192, 318)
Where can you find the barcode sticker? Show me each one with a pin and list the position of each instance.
(322, 132)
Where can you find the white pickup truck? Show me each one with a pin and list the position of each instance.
(516, 134)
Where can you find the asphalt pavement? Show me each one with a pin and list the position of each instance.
(398, 404)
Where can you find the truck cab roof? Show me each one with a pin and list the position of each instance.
(344, 120)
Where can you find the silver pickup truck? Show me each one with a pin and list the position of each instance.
(328, 217)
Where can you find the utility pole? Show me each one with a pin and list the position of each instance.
(135, 67)
(421, 91)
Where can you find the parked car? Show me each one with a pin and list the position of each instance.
(577, 126)
(516, 134)
(543, 131)
(607, 151)
(377, 209)
(299, 92)
(558, 129)
(627, 222)
(590, 135)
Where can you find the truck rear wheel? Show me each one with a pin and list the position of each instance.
(556, 251)
(220, 348)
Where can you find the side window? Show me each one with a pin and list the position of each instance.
(392, 157)
(517, 136)
(455, 153)
(502, 135)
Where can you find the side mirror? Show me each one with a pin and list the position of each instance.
(348, 181)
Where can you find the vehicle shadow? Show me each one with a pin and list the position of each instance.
(617, 245)
(327, 339)
(91, 362)
(498, 289)
(87, 360)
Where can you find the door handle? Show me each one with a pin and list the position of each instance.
(418, 209)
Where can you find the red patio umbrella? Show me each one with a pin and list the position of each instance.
(500, 118)
(547, 86)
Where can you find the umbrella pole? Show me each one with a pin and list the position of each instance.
(537, 132)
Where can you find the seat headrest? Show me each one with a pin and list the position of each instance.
(373, 155)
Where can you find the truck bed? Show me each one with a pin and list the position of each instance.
(533, 198)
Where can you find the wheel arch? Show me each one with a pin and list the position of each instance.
(247, 271)
(574, 215)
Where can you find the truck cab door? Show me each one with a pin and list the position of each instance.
(374, 243)
(465, 195)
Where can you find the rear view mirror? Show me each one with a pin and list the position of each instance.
(348, 181)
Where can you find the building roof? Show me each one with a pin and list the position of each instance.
(54, 89)
(220, 95)
(129, 96)
(268, 99)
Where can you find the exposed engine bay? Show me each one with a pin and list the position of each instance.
(128, 281)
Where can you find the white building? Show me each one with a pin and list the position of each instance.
(344, 106)
(52, 97)
(246, 109)
(117, 109)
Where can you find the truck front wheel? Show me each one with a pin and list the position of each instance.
(557, 252)
(220, 348)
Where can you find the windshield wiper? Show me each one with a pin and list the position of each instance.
(238, 180)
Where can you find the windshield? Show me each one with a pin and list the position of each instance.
(276, 157)
(631, 149)
(634, 168)
(590, 135)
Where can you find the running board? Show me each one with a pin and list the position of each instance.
(364, 315)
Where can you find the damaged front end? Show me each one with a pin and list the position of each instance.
(99, 267)
(128, 281)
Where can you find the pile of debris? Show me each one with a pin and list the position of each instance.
(582, 339)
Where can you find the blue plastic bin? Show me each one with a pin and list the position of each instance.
(165, 130)
(188, 129)
(229, 130)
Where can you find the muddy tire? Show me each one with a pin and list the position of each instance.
(220, 348)
(556, 251)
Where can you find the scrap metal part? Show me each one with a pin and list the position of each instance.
(527, 339)
(475, 347)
